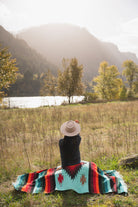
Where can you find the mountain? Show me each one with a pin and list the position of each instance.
(29, 63)
(58, 41)
(27, 58)
(51, 43)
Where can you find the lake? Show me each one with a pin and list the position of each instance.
(37, 101)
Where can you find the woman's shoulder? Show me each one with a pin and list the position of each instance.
(69, 139)
(78, 137)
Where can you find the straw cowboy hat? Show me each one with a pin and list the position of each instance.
(70, 128)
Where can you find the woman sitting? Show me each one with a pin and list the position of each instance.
(69, 145)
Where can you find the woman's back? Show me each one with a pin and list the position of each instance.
(69, 150)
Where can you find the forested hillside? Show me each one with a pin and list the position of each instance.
(29, 63)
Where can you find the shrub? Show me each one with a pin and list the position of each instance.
(90, 97)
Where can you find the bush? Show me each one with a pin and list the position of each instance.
(123, 93)
(90, 97)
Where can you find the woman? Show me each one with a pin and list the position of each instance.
(83, 177)
(69, 145)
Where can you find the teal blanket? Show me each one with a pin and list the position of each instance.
(85, 177)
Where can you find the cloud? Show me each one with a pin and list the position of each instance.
(4, 11)
(131, 27)
(127, 38)
(11, 20)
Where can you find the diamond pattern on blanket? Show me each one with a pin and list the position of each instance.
(78, 182)
(60, 178)
(83, 179)
(73, 169)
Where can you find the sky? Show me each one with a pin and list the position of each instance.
(109, 20)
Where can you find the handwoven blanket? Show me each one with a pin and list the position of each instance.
(85, 177)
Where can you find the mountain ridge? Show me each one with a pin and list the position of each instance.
(27, 58)
(29, 62)
(58, 41)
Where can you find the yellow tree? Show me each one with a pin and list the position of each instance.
(131, 74)
(107, 83)
(8, 70)
(49, 85)
(70, 80)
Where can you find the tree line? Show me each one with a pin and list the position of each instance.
(108, 85)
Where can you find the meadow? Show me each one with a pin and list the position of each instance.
(29, 142)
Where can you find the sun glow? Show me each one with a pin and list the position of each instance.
(106, 19)
(38, 12)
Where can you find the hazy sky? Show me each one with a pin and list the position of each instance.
(109, 20)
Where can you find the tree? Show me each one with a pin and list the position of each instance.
(123, 93)
(131, 74)
(8, 70)
(49, 85)
(135, 85)
(88, 86)
(90, 97)
(107, 84)
(70, 80)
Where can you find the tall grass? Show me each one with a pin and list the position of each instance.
(29, 137)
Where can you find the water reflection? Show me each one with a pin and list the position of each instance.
(37, 101)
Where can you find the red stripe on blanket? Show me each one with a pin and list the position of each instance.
(114, 183)
(49, 181)
(95, 179)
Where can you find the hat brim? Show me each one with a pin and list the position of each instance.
(64, 132)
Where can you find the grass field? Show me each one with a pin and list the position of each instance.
(29, 142)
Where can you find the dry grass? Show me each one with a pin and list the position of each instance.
(29, 137)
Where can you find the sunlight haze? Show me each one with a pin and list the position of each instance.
(109, 20)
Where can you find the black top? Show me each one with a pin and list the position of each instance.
(69, 150)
